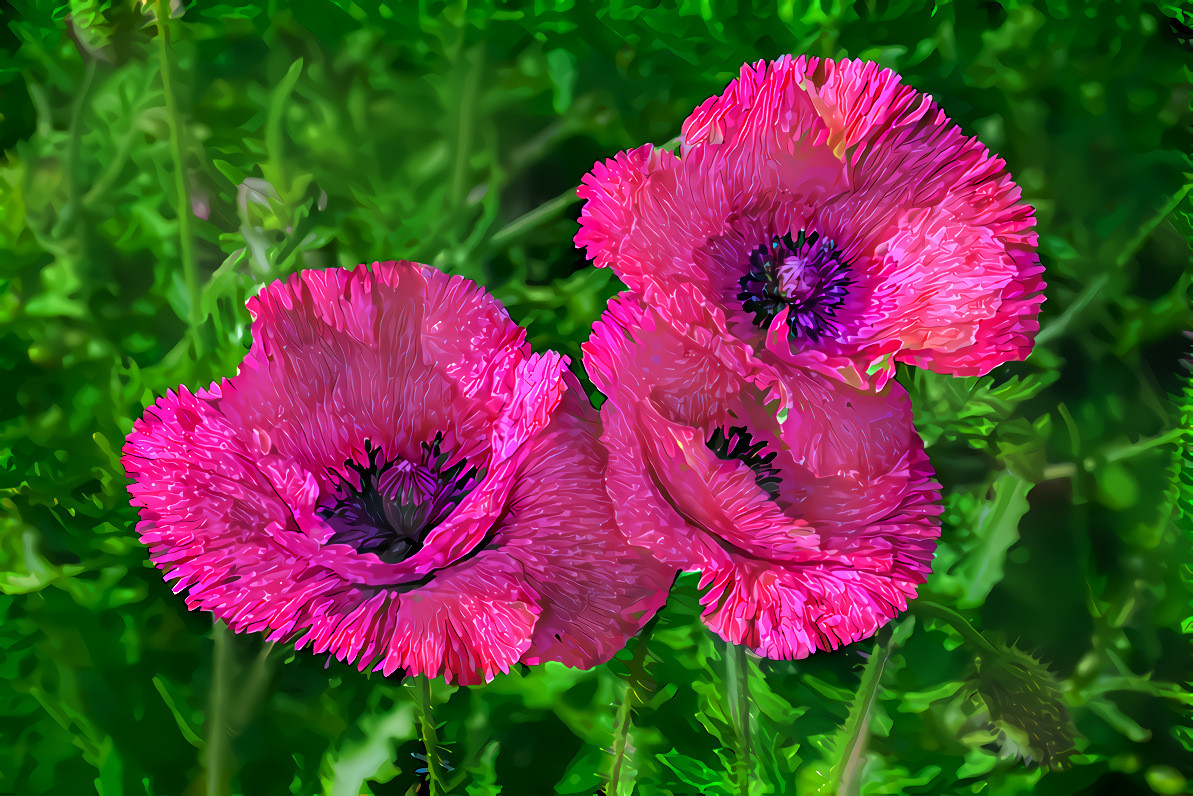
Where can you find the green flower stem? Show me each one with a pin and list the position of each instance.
(253, 685)
(74, 140)
(218, 748)
(1059, 327)
(625, 712)
(737, 670)
(532, 219)
(621, 735)
(851, 739)
(420, 692)
(1136, 448)
(1127, 451)
(471, 63)
(275, 143)
(182, 202)
(930, 610)
(235, 695)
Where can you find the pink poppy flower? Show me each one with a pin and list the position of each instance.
(393, 478)
(808, 504)
(834, 219)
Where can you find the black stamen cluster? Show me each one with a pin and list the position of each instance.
(739, 444)
(393, 524)
(812, 314)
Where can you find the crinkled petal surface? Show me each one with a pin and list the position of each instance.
(233, 483)
(558, 493)
(849, 535)
(940, 249)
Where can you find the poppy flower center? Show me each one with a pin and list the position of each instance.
(807, 275)
(738, 443)
(397, 502)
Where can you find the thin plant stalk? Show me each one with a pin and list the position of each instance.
(930, 610)
(182, 201)
(737, 666)
(420, 691)
(625, 712)
(621, 739)
(218, 748)
(850, 743)
(526, 222)
(71, 172)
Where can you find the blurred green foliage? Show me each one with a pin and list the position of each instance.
(159, 167)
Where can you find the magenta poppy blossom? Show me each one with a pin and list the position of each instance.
(809, 505)
(832, 218)
(394, 478)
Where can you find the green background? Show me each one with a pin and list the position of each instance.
(146, 190)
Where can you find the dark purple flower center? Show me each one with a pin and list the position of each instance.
(738, 443)
(398, 502)
(807, 275)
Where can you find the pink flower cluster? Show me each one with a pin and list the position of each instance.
(394, 478)
(821, 223)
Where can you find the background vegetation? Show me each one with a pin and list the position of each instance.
(161, 164)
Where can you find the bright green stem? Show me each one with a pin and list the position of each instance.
(850, 742)
(471, 64)
(235, 695)
(625, 712)
(532, 219)
(1136, 448)
(182, 201)
(274, 140)
(253, 686)
(1091, 290)
(71, 172)
(737, 670)
(620, 740)
(931, 610)
(218, 749)
(420, 690)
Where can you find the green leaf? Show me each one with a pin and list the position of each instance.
(368, 750)
(994, 529)
(695, 773)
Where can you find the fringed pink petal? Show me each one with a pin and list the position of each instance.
(671, 210)
(389, 356)
(769, 134)
(937, 243)
(611, 192)
(269, 497)
(829, 557)
(594, 588)
(471, 622)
